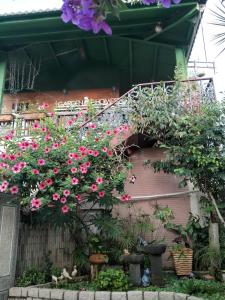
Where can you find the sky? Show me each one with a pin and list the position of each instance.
(205, 32)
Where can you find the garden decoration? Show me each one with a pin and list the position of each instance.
(135, 261)
(146, 278)
(74, 272)
(155, 252)
(90, 15)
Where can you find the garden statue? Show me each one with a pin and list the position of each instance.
(142, 242)
(66, 274)
(54, 279)
(146, 278)
(74, 272)
(126, 252)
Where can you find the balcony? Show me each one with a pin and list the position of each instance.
(115, 111)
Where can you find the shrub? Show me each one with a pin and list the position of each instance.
(200, 287)
(113, 280)
(31, 277)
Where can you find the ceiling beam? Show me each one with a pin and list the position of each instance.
(174, 24)
(54, 55)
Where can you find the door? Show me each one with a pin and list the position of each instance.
(9, 227)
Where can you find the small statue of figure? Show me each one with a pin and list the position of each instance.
(54, 279)
(146, 278)
(142, 242)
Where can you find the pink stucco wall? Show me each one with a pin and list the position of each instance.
(149, 183)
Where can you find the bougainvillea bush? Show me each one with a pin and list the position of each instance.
(58, 168)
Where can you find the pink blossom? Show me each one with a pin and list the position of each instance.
(47, 138)
(82, 149)
(41, 162)
(87, 164)
(99, 180)
(75, 181)
(101, 194)
(63, 200)
(46, 150)
(104, 149)
(96, 153)
(69, 162)
(5, 183)
(116, 130)
(83, 169)
(75, 156)
(42, 186)
(94, 187)
(125, 197)
(65, 209)
(55, 145)
(14, 190)
(125, 127)
(78, 197)
(109, 153)
(92, 126)
(66, 193)
(2, 188)
(34, 146)
(55, 196)
(49, 181)
(70, 122)
(96, 139)
(4, 156)
(22, 164)
(36, 125)
(12, 157)
(55, 170)
(45, 105)
(36, 203)
(44, 129)
(108, 132)
(16, 169)
(90, 152)
(73, 170)
(35, 172)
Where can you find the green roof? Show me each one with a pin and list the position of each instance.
(134, 53)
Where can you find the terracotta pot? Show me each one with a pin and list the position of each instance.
(183, 259)
(98, 259)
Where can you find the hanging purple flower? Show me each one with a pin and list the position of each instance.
(86, 15)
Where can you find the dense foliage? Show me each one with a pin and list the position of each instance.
(58, 168)
(191, 134)
(112, 280)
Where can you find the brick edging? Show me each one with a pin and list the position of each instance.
(19, 293)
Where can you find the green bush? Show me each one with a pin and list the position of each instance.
(31, 277)
(113, 280)
(204, 288)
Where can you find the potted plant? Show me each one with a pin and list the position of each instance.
(98, 254)
(181, 250)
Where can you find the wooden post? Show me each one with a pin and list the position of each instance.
(3, 61)
(181, 62)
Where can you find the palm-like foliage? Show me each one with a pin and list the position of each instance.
(219, 15)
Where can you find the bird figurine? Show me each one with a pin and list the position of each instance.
(54, 279)
(126, 252)
(61, 277)
(66, 274)
(74, 272)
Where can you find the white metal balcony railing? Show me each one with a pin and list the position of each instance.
(115, 111)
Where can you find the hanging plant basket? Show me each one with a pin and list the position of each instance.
(183, 259)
